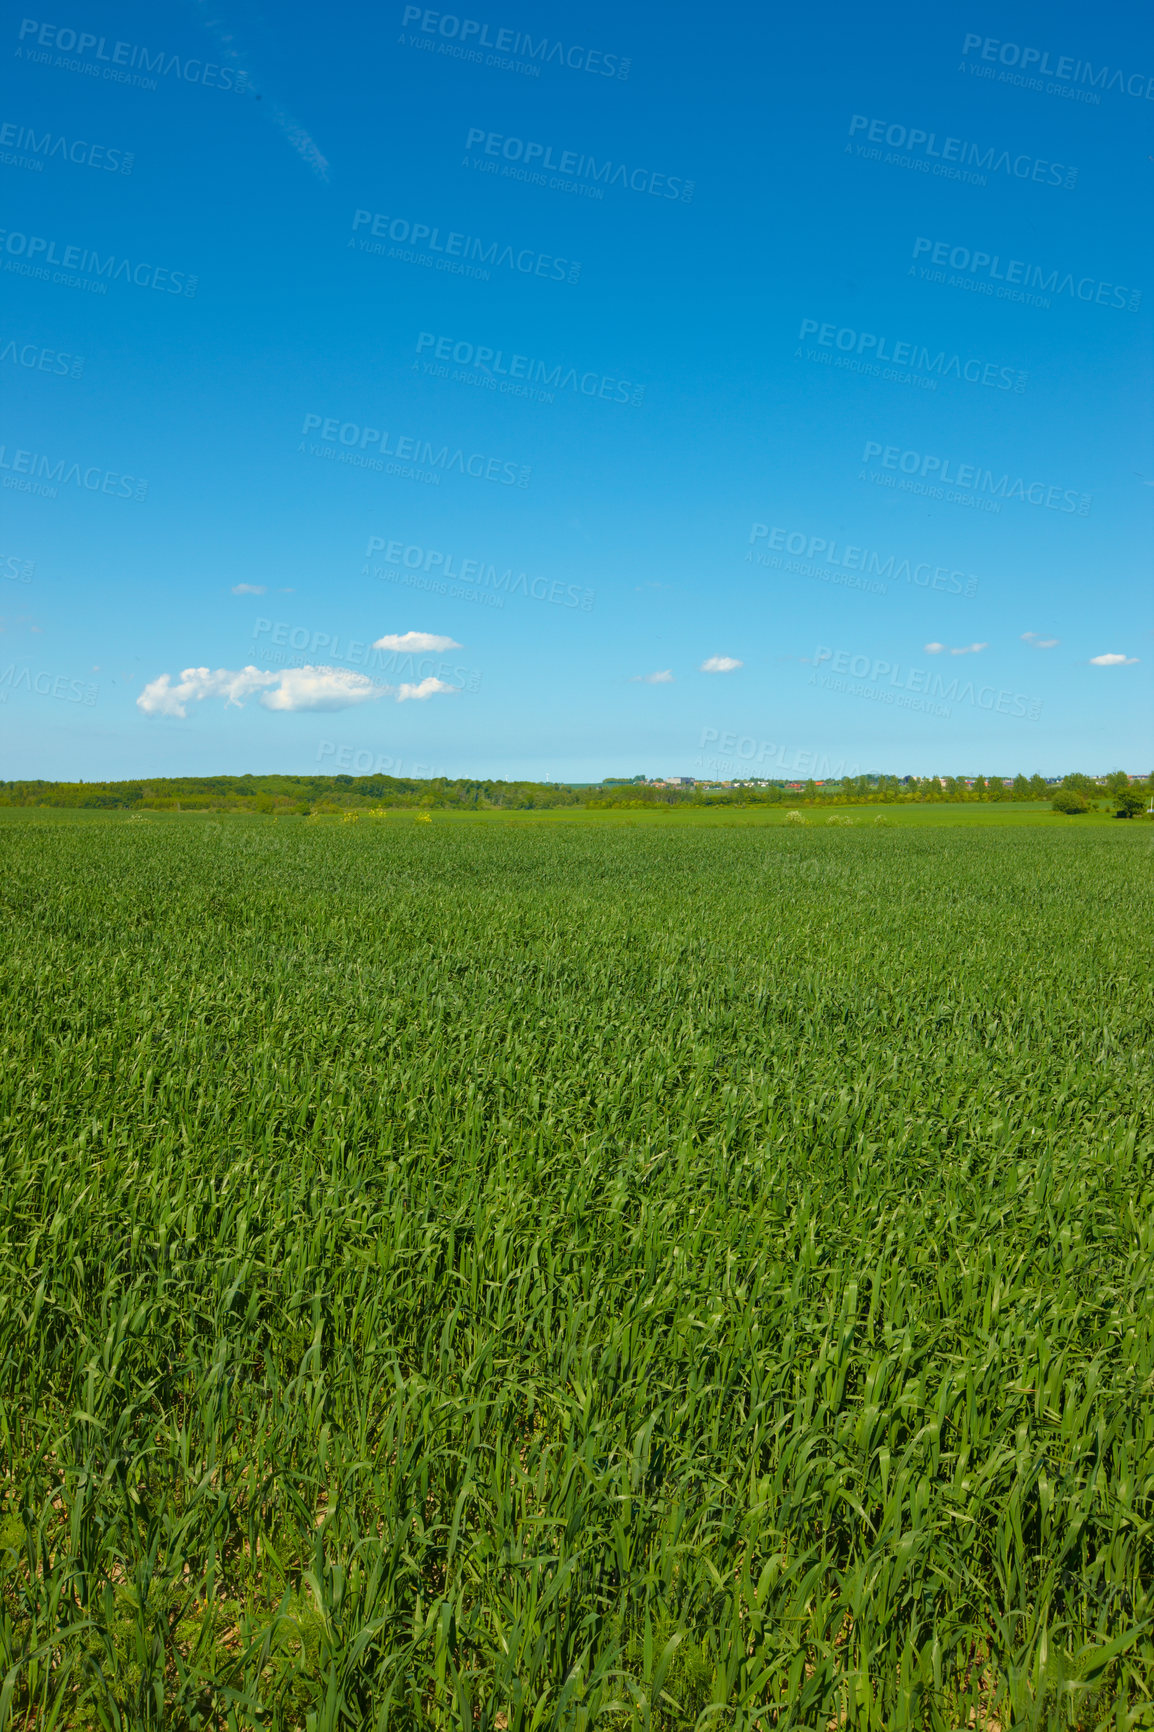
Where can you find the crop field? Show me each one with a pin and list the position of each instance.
(576, 1273)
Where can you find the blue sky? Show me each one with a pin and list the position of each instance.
(716, 393)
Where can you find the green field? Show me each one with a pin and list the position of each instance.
(565, 1271)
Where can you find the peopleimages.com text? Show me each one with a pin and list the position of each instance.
(472, 31)
(945, 471)
(130, 56)
(993, 49)
(1017, 271)
(466, 247)
(921, 145)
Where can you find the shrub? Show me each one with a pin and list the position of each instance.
(1128, 802)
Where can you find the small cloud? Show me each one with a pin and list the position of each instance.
(1036, 642)
(286, 591)
(249, 589)
(720, 665)
(427, 689)
(969, 649)
(933, 649)
(415, 642)
(663, 678)
(1112, 661)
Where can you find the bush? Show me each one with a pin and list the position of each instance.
(1070, 801)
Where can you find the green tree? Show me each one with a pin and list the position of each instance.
(1038, 788)
(1070, 801)
(1128, 802)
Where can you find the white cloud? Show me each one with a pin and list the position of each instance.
(415, 642)
(1112, 661)
(970, 649)
(321, 689)
(720, 665)
(663, 677)
(428, 688)
(249, 589)
(289, 689)
(161, 698)
(1036, 642)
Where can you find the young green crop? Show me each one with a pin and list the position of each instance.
(575, 1274)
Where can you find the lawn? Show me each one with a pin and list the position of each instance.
(643, 1270)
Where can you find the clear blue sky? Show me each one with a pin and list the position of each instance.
(811, 412)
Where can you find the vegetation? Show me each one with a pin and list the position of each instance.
(302, 794)
(572, 1274)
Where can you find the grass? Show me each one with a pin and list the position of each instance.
(644, 1271)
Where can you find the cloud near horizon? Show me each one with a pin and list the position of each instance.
(288, 689)
(720, 665)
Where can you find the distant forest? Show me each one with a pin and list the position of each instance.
(308, 794)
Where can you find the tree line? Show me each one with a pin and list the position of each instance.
(284, 795)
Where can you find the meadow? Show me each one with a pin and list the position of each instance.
(579, 1271)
